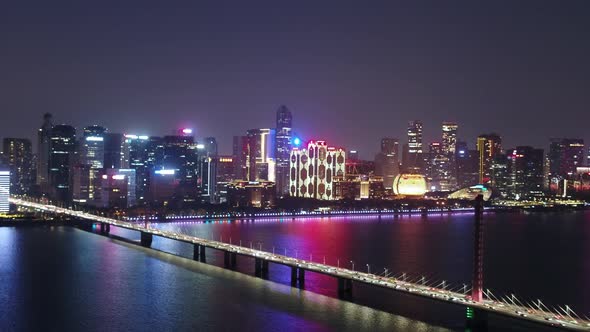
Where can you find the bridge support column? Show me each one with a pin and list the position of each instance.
(477, 319)
(105, 228)
(202, 256)
(227, 259)
(293, 276)
(233, 258)
(257, 267)
(344, 288)
(477, 284)
(196, 249)
(146, 239)
(301, 277)
(264, 269)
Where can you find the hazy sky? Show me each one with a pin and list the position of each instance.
(351, 72)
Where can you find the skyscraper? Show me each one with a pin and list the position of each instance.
(284, 123)
(208, 170)
(113, 150)
(525, 168)
(449, 138)
(261, 155)
(434, 166)
(488, 147)
(142, 153)
(240, 157)
(180, 153)
(63, 143)
(92, 147)
(387, 162)
(448, 150)
(315, 169)
(91, 153)
(4, 190)
(467, 165)
(565, 154)
(412, 158)
(43, 152)
(19, 155)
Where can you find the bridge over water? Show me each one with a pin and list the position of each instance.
(477, 304)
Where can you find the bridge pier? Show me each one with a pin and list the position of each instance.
(233, 260)
(146, 239)
(202, 256)
(261, 268)
(301, 277)
(477, 320)
(229, 259)
(293, 276)
(105, 228)
(196, 249)
(344, 288)
(265, 269)
(297, 277)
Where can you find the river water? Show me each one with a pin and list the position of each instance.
(62, 278)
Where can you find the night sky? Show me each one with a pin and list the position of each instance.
(351, 72)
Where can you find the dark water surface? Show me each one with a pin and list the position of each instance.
(66, 279)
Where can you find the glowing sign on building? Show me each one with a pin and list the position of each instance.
(165, 172)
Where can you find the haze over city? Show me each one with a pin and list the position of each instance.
(412, 166)
(350, 73)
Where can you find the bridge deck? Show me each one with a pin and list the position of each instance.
(487, 305)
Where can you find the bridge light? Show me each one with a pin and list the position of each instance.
(470, 313)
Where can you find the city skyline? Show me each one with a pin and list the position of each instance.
(350, 66)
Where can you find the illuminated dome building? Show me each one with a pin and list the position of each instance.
(409, 185)
(470, 193)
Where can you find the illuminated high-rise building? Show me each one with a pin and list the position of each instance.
(92, 147)
(447, 161)
(283, 137)
(181, 153)
(260, 159)
(449, 138)
(525, 169)
(117, 188)
(565, 154)
(467, 165)
(91, 153)
(435, 161)
(43, 152)
(208, 169)
(113, 150)
(142, 153)
(4, 190)
(314, 170)
(19, 157)
(412, 156)
(387, 161)
(61, 158)
(488, 146)
(240, 157)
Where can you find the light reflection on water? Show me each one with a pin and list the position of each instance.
(71, 280)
